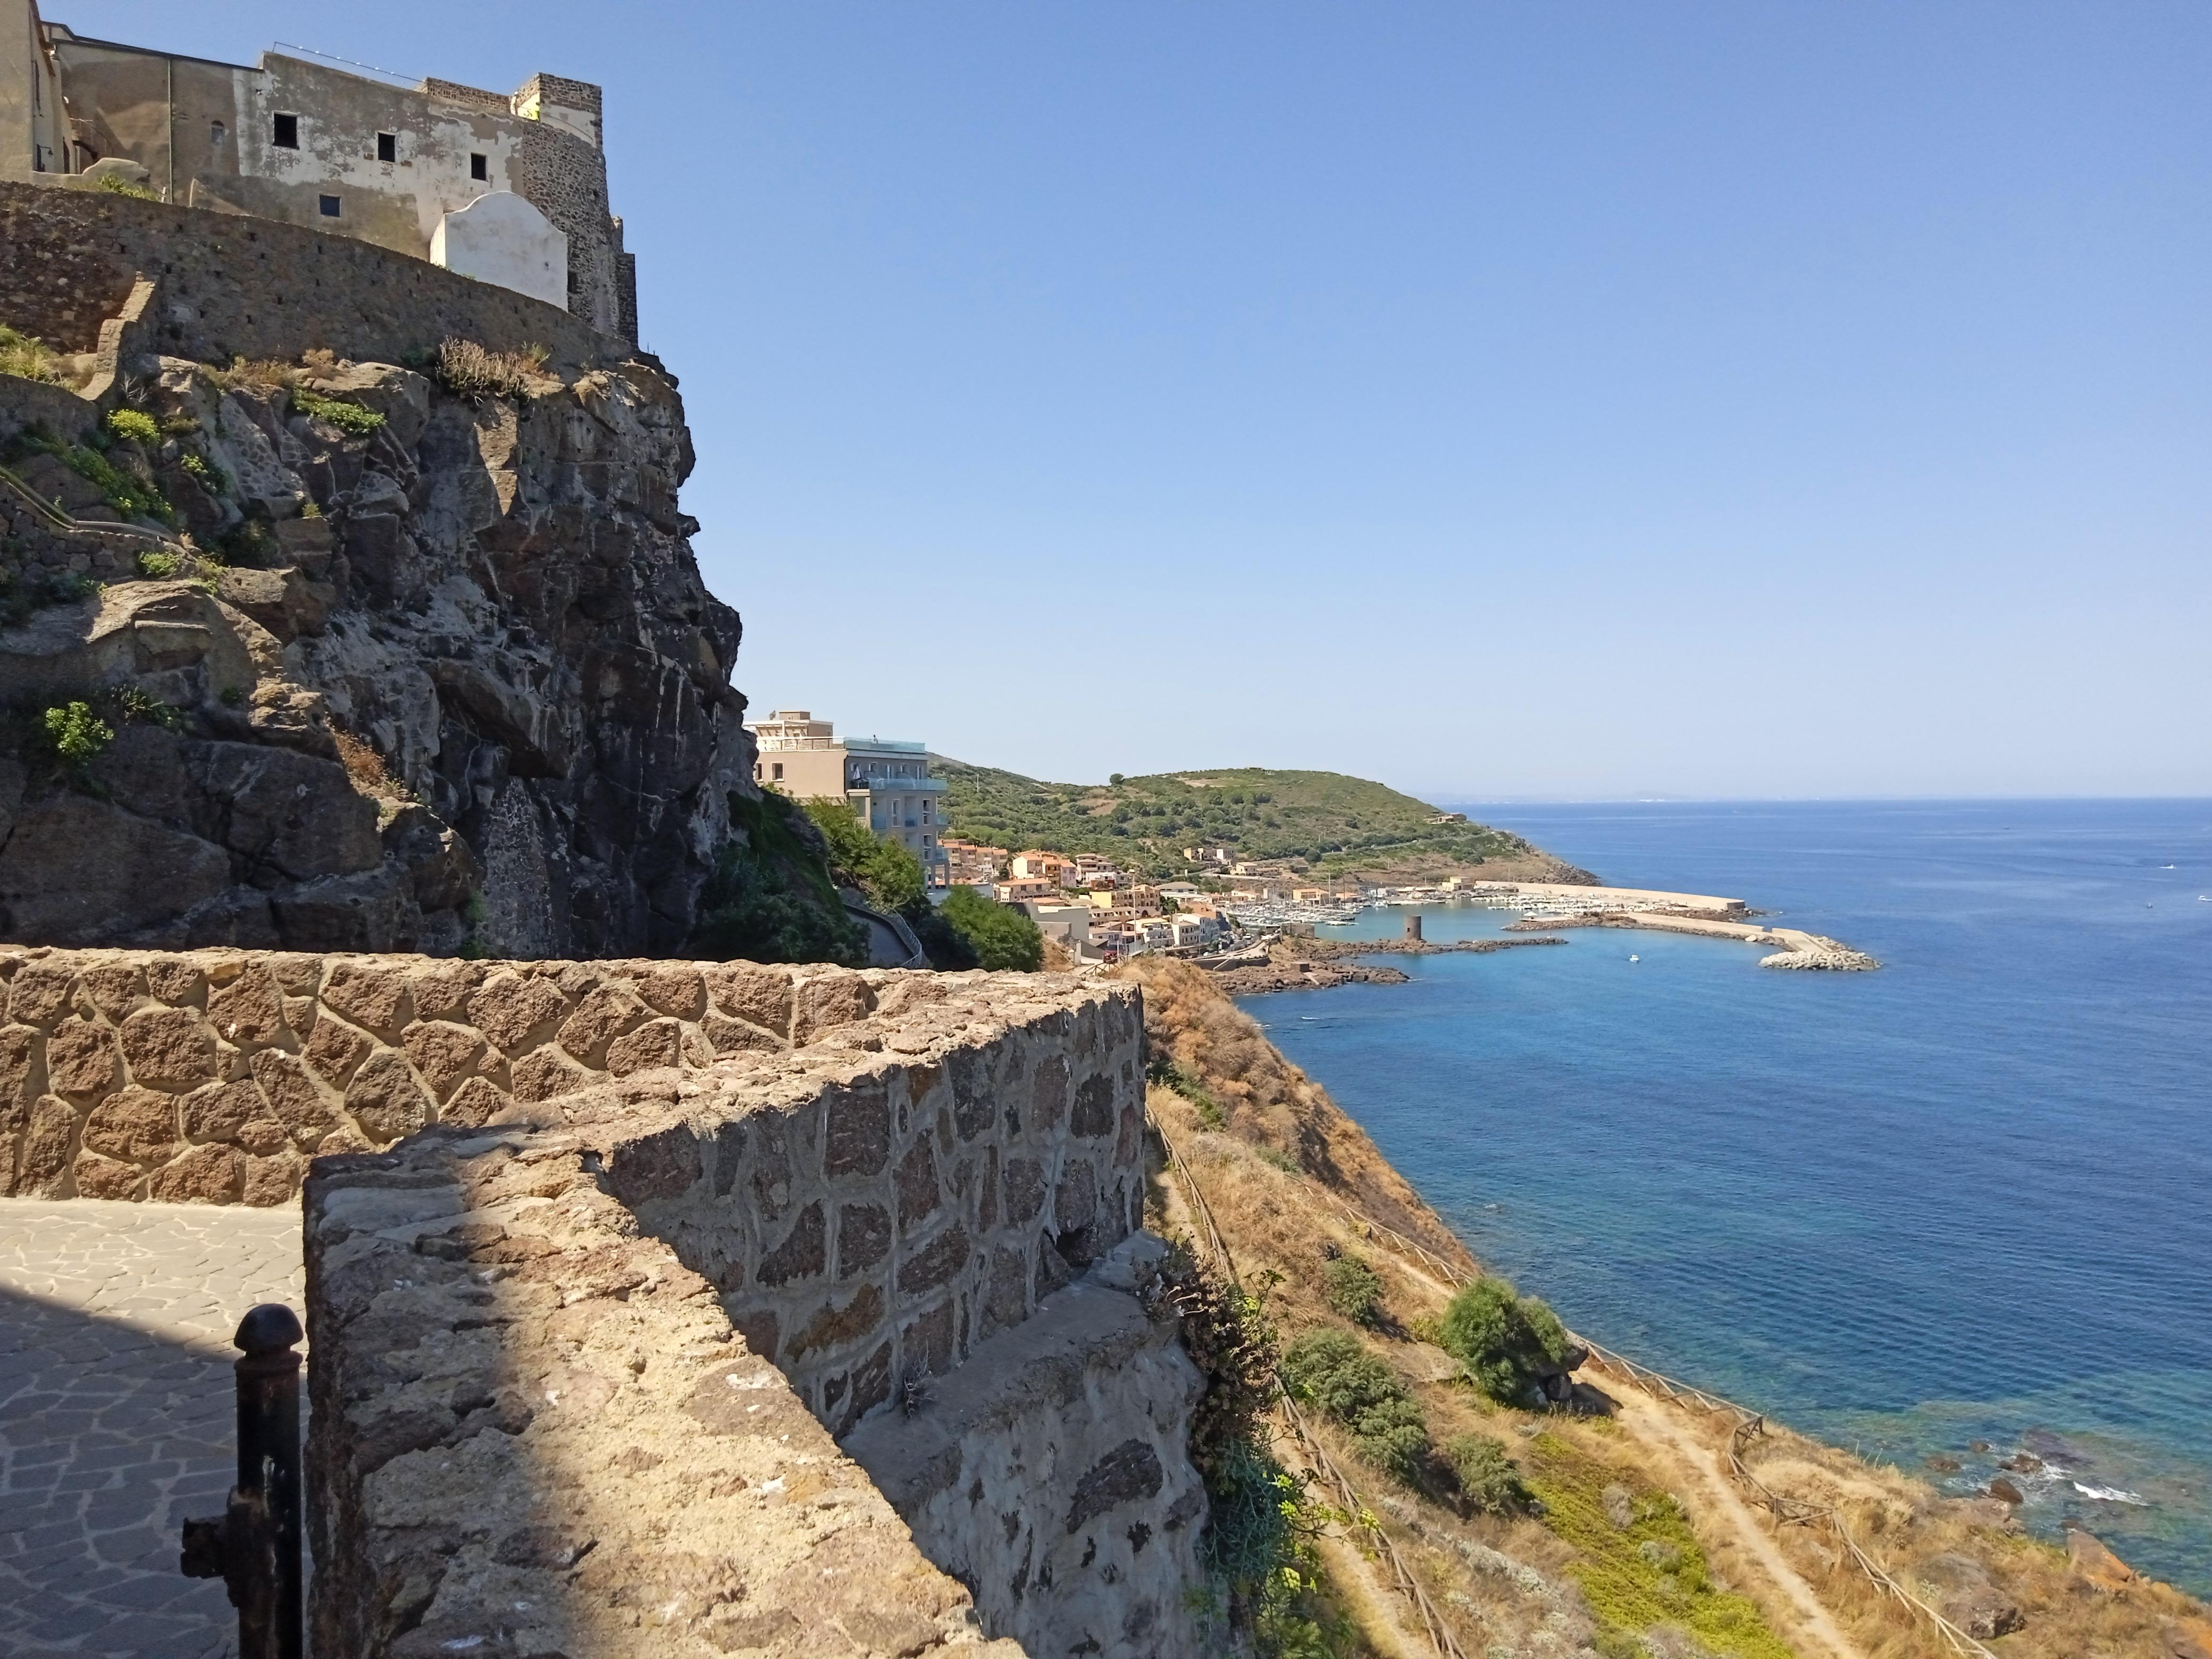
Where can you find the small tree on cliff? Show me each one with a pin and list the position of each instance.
(1506, 1342)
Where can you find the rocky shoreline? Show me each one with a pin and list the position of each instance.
(1309, 964)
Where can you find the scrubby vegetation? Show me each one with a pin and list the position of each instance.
(348, 416)
(1489, 1480)
(123, 489)
(469, 370)
(1353, 1289)
(1263, 1520)
(116, 185)
(1001, 935)
(1341, 1379)
(1331, 823)
(771, 898)
(1505, 1341)
(25, 356)
(1640, 1564)
(1162, 1069)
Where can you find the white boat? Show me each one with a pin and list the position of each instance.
(1632, 956)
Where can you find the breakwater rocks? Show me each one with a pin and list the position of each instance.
(1827, 955)
(1797, 948)
(1307, 965)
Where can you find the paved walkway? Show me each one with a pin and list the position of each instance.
(117, 1415)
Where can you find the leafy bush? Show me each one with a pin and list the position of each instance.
(157, 564)
(1352, 1288)
(116, 185)
(885, 872)
(77, 733)
(1001, 936)
(342, 413)
(25, 356)
(134, 424)
(1490, 1480)
(1505, 1341)
(1361, 1390)
(770, 898)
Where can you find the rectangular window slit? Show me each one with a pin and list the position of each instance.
(285, 132)
(387, 146)
(479, 166)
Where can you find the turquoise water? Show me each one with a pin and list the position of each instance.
(1967, 1198)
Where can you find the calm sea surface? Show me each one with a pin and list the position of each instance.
(1967, 1198)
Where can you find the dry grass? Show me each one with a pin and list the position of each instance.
(1507, 1583)
(469, 370)
(25, 356)
(370, 774)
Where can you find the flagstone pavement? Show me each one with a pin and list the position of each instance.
(117, 1415)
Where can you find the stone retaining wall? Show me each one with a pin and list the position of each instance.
(212, 1076)
(235, 286)
(546, 1415)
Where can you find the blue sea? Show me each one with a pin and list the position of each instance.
(1965, 1199)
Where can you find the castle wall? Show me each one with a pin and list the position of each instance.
(238, 286)
(204, 132)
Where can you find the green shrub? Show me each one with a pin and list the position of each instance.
(1504, 1341)
(1359, 1390)
(116, 185)
(1001, 936)
(135, 424)
(1490, 1480)
(770, 898)
(122, 490)
(1353, 1289)
(143, 707)
(885, 872)
(348, 416)
(157, 564)
(77, 735)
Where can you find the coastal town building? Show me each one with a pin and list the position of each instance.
(970, 864)
(1067, 923)
(506, 187)
(885, 781)
(1054, 867)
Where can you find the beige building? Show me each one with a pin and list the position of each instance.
(886, 782)
(509, 188)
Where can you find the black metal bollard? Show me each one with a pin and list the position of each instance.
(254, 1545)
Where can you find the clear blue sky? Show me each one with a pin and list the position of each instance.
(1497, 399)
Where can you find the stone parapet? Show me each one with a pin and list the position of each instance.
(577, 1368)
(211, 1076)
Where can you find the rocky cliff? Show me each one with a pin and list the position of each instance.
(392, 660)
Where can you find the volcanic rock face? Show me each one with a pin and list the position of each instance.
(457, 684)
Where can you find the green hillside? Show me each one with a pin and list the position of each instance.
(1333, 824)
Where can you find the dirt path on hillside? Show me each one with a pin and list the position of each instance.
(1660, 1429)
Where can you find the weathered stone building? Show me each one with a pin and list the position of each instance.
(509, 188)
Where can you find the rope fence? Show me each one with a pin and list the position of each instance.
(1355, 1508)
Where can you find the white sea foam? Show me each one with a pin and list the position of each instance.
(2111, 1495)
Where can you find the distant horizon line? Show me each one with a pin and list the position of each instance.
(1443, 799)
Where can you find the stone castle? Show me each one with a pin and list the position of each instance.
(509, 188)
(657, 1306)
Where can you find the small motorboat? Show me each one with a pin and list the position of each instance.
(1632, 956)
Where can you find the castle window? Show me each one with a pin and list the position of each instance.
(479, 166)
(330, 207)
(215, 135)
(284, 131)
(387, 146)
